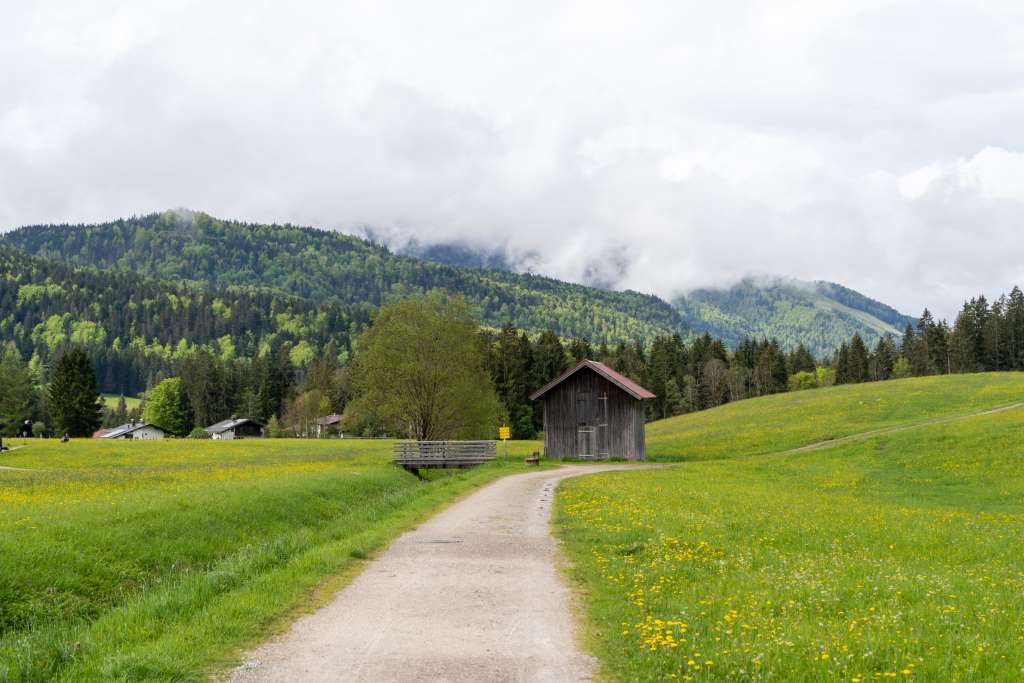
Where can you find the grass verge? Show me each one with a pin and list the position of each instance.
(162, 561)
(893, 558)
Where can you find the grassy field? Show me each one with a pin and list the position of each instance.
(130, 402)
(161, 560)
(897, 557)
(775, 423)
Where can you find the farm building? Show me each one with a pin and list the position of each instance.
(593, 412)
(328, 425)
(133, 430)
(235, 428)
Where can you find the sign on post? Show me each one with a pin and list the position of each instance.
(505, 433)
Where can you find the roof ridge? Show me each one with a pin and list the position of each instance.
(619, 380)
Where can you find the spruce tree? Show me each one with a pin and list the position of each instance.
(549, 359)
(842, 364)
(17, 394)
(74, 403)
(858, 360)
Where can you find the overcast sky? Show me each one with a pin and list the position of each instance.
(657, 146)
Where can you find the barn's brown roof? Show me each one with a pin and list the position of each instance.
(624, 383)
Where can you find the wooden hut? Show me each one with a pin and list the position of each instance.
(593, 412)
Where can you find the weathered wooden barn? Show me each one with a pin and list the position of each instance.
(593, 412)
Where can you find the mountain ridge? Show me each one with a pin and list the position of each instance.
(323, 265)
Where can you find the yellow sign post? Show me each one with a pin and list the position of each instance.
(505, 433)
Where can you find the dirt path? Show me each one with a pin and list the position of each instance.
(863, 436)
(17, 469)
(471, 595)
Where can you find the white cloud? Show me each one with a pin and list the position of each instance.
(914, 184)
(995, 173)
(660, 146)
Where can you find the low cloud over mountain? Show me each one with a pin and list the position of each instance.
(658, 146)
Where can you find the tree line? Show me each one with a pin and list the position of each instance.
(200, 387)
(701, 373)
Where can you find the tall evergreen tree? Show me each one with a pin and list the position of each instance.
(858, 360)
(883, 359)
(1015, 329)
(549, 359)
(74, 402)
(800, 360)
(17, 394)
(580, 349)
(842, 364)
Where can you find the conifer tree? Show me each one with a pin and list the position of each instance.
(801, 360)
(74, 403)
(17, 394)
(857, 368)
(549, 359)
(842, 364)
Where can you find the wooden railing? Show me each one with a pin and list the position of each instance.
(417, 455)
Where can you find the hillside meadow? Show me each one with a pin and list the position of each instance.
(161, 560)
(895, 557)
(783, 421)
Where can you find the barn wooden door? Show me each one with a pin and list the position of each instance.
(603, 438)
(586, 426)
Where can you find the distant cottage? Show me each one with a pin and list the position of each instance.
(142, 431)
(235, 428)
(593, 412)
(328, 425)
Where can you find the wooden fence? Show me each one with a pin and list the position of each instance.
(417, 455)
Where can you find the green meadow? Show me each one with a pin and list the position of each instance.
(163, 560)
(896, 557)
(783, 421)
(130, 402)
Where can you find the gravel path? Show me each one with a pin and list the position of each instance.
(473, 594)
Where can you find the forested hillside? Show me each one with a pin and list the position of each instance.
(136, 328)
(819, 315)
(329, 266)
(326, 266)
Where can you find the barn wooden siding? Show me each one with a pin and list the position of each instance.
(576, 402)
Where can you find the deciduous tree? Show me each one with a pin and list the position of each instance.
(420, 370)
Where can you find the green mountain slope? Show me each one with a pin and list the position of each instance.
(135, 328)
(821, 315)
(326, 266)
(329, 266)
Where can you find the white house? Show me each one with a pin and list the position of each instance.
(235, 428)
(134, 430)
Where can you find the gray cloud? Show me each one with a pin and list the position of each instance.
(658, 146)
